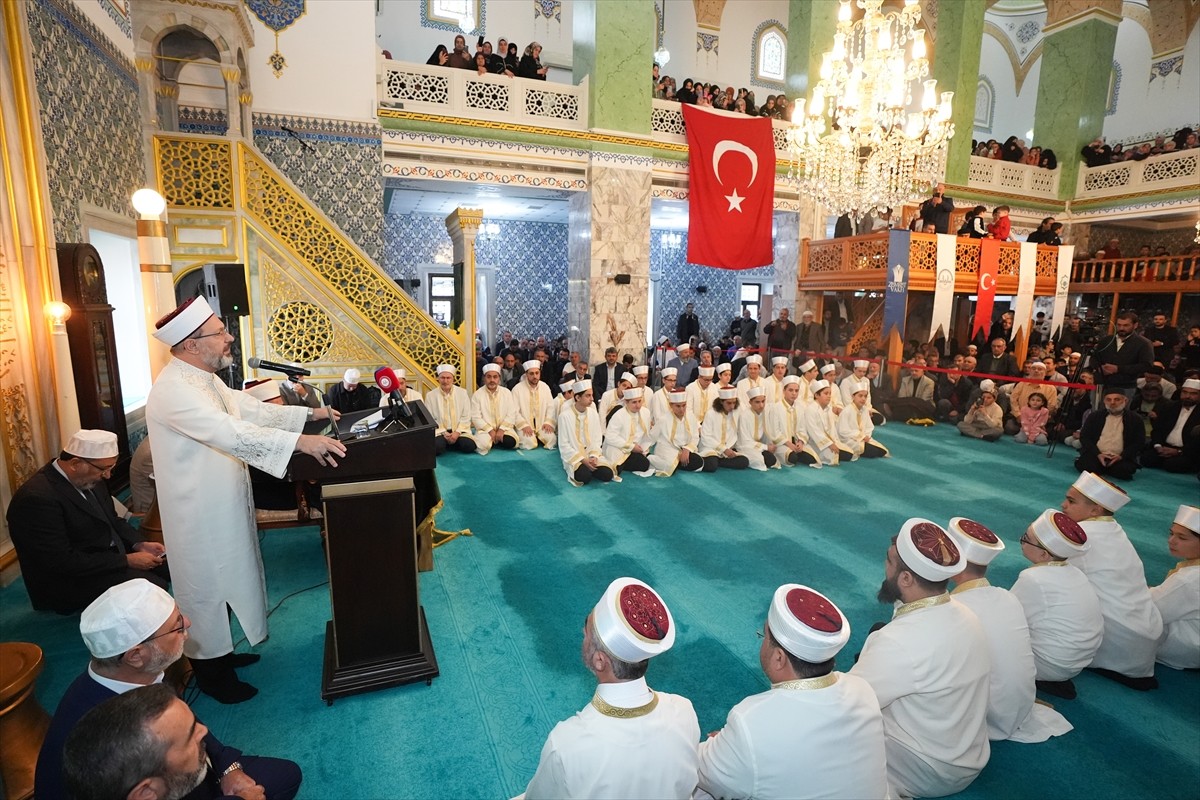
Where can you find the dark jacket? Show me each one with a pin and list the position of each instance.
(1005, 365)
(686, 327)
(600, 378)
(1165, 423)
(360, 399)
(1134, 434)
(781, 335)
(938, 213)
(528, 68)
(1132, 360)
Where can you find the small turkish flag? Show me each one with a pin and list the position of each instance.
(731, 188)
(989, 265)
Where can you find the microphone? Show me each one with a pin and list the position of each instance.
(254, 362)
(386, 380)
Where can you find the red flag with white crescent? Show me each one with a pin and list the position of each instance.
(989, 265)
(731, 188)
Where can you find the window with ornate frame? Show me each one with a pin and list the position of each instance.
(985, 105)
(770, 55)
(448, 15)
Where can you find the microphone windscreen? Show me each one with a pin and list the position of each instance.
(385, 379)
(253, 362)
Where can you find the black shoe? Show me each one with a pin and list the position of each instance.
(216, 678)
(1137, 684)
(1063, 689)
(244, 659)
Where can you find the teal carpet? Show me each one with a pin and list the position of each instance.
(505, 608)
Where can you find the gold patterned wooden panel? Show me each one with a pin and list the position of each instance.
(317, 244)
(195, 173)
(871, 331)
(1010, 261)
(825, 257)
(922, 254)
(1047, 264)
(966, 256)
(868, 253)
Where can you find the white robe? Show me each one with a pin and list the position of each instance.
(774, 387)
(580, 437)
(785, 424)
(668, 437)
(700, 400)
(451, 410)
(855, 429)
(821, 742)
(744, 386)
(491, 410)
(592, 755)
(1132, 623)
(929, 668)
(202, 436)
(410, 394)
(1012, 713)
(820, 426)
(624, 431)
(535, 408)
(752, 439)
(1178, 601)
(607, 401)
(718, 434)
(850, 385)
(1064, 619)
(658, 406)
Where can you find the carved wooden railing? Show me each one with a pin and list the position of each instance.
(1161, 173)
(1005, 177)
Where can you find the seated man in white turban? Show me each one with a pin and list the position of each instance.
(785, 426)
(451, 410)
(349, 394)
(581, 440)
(1132, 623)
(1178, 597)
(629, 741)
(493, 413)
(1061, 608)
(753, 440)
(1012, 713)
(816, 731)
(535, 408)
(929, 668)
(676, 440)
(627, 439)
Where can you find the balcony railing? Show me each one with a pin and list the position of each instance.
(461, 93)
(666, 123)
(1162, 173)
(1160, 269)
(988, 174)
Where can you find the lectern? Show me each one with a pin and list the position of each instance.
(377, 636)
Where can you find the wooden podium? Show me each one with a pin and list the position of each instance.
(377, 636)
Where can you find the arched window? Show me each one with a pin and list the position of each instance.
(770, 55)
(450, 15)
(985, 105)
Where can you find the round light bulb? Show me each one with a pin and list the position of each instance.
(148, 203)
(58, 311)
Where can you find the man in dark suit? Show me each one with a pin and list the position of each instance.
(1110, 442)
(1175, 439)
(1122, 358)
(809, 339)
(688, 325)
(999, 362)
(607, 374)
(134, 631)
(70, 542)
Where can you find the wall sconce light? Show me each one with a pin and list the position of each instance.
(154, 252)
(489, 230)
(671, 241)
(58, 312)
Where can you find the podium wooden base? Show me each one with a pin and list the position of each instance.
(344, 681)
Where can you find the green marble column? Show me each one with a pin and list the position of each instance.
(811, 26)
(1073, 93)
(956, 68)
(614, 48)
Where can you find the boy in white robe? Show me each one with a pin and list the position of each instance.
(855, 428)
(701, 393)
(1178, 597)
(658, 405)
(785, 427)
(754, 377)
(855, 381)
(752, 439)
(1132, 623)
(1061, 608)
(676, 440)
(820, 425)
(627, 437)
(612, 398)
(829, 375)
(774, 381)
(451, 410)
(581, 439)
(809, 374)
(493, 413)
(535, 407)
(718, 434)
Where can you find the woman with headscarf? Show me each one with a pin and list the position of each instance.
(440, 56)
(531, 65)
(510, 58)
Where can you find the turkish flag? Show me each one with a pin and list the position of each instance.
(731, 188)
(989, 265)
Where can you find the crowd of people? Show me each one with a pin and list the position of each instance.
(1097, 152)
(506, 59)
(698, 93)
(1015, 150)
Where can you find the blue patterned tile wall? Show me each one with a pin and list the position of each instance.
(338, 164)
(89, 112)
(528, 257)
(716, 307)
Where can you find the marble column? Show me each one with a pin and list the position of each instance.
(955, 66)
(614, 50)
(608, 274)
(463, 225)
(233, 107)
(787, 258)
(1077, 57)
(811, 26)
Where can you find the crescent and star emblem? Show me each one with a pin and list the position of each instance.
(724, 146)
(987, 282)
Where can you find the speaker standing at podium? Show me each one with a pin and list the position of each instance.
(202, 436)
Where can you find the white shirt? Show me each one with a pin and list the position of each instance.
(929, 668)
(1064, 619)
(593, 755)
(822, 737)
(1132, 623)
(1178, 600)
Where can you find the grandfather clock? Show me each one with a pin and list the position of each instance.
(93, 344)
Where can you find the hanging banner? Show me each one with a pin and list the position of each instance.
(1066, 252)
(943, 292)
(895, 298)
(1025, 286)
(989, 265)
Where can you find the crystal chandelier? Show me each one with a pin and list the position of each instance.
(858, 145)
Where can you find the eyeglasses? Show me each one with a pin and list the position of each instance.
(184, 624)
(220, 332)
(102, 470)
(1026, 540)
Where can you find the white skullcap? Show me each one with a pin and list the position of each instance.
(754, 359)
(807, 313)
(567, 384)
(788, 380)
(490, 368)
(1062, 536)
(400, 373)
(683, 346)
(1100, 491)
(446, 368)
(928, 550)
(706, 372)
(641, 369)
(727, 394)
(1191, 383)
(632, 622)
(676, 397)
(123, 617)
(987, 385)
(568, 369)
(183, 321)
(819, 385)
(807, 624)
(670, 372)
(807, 365)
(627, 379)
(632, 394)
(532, 363)
(1188, 517)
(93, 444)
(663, 339)
(860, 363)
(726, 367)
(828, 368)
(779, 361)
(581, 386)
(755, 391)
(351, 375)
(263, 390)
(977, 542)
